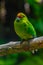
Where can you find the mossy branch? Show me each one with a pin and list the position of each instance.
(14, 47)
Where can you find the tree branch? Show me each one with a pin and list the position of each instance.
(14, 47)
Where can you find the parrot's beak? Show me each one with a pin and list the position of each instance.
(18, 19)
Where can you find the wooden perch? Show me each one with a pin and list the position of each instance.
(14, 47)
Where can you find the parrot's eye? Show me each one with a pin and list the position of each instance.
(18, 19)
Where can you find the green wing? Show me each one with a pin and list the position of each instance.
(30, 29)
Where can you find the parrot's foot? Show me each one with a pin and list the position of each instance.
(34, 51)
(22, 41)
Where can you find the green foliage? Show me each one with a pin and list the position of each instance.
(23, 58)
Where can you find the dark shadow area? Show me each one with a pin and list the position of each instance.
(21, 58)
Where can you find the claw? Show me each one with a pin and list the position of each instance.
(34, 51)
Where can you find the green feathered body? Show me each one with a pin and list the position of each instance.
(24, 28)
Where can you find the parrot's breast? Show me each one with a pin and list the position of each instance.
(22, 33)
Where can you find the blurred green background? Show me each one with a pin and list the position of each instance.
(34, 12)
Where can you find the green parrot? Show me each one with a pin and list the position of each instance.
(23, 27)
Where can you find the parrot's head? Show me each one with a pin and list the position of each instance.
(20, 17)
